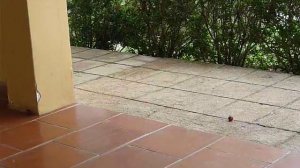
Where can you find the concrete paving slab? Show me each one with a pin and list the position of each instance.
(77, 60)
(108, 69)
(236, 90)
(165, 79)
(145, 58)
(86, 64)
(82, 77)
(114, 57)
(292, 83)
(295, 105)
(160, 63)
(117, 104)
(274, 96)
(263, 77)
(284, 119)
(118, 87)
(255, 133)
(200, 85)
(175, 117)
(186, 101)
(229, 72)
(208, 111)
(292, 144)
(138, 60)
(191, 68)
(245, 111)
(135, 73)
(78, 49)
(89, 54)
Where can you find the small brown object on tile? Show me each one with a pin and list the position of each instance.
(230, 119)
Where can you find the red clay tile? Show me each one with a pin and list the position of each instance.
(51, 155)
(249, 150)
(2, 128)
(130, 157)
(104, 137)
(290, 161)
(11, 118)
(6, 151)
(30, 135)
(77, 117)
(136, 124)
(175, 141)
(215, 159)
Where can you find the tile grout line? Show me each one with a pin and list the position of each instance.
(195, 152)
(87, 127)
(279, 159)
(57, 138)
(149, 150)
(38, 117)
(123, 145)
(136, 139)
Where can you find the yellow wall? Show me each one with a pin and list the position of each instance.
(36, 54)
(51, 52)
(2, 77)
(17, 55)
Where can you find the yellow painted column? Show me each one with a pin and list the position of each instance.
(36, 54)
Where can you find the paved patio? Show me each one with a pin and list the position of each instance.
(85, 137)
(265, 105)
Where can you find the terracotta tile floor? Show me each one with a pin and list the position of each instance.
(81, 136)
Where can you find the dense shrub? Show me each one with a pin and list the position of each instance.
(283, 40)
(257, 33)
(157, 27)
(232, 30)
(95, 23)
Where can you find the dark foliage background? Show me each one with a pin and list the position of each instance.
(255, 33)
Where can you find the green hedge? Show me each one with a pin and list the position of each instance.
(256, 33)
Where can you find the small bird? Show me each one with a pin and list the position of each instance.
(230, 119)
